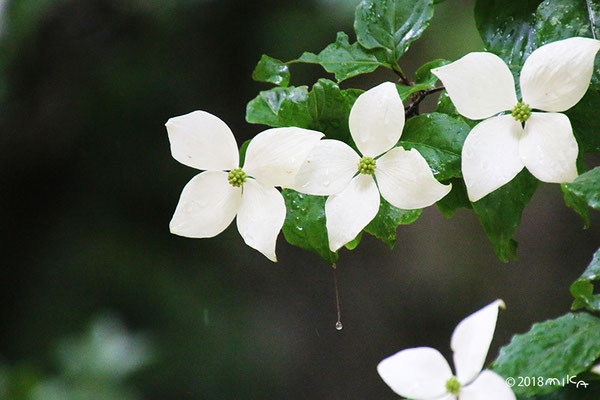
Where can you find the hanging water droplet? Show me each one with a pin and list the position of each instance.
(338, 324)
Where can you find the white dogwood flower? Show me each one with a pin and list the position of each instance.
(553, 79)
(333, 168)
(422, 373)
(211, 199)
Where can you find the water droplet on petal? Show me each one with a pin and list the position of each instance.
(339, 326)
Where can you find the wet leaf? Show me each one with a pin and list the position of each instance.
(304, 224)
(387, 220)
(343, 59)
(325, 108)
(583, 288)
(500, 213)
(439, 139)
(567, 345)
(271, 70)
(391, 24)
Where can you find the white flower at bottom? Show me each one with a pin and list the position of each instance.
(213, 198)
(333, 168)
(422, 373)
(553, 79)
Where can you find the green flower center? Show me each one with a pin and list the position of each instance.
(521, 112)
(453, 386)
(237, 177)
(367, 166)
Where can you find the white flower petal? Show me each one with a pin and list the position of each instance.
(349, 211)
(201, 140)
(596, 369)
(207, 205)
(488, 386)
(548, 148)
(557, 75)
(406, 181)
(261, 217)
(417, 373)
(274, 156)
(328, 169)
(471, 341)
(479, 84)
(490, 155)
(377, 119)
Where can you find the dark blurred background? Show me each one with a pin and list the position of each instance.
(100, 301)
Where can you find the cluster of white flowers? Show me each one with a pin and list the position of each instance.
(554, 78)
(297, 158)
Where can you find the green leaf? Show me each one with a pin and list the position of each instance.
(578, 204)
(439, 139)
(583, 288)
(456, 199)
(384, 225)
(343, 59)
(243, 149)
(325, 108)
(560, 19)
(586, 187)
(329, 109)
(424, 79)
(271, 70)
(585, 122)
(556, 348)
(500, 213)
(304, 224)
(391, 24)
(508, 29)
(280, 107)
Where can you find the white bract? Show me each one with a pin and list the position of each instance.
(211, 199)
(422, 373)
(333, 168)
(553, 79)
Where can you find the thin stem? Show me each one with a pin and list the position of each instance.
(417, 98)
(402, 78)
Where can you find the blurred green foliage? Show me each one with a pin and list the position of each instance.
(92, 366)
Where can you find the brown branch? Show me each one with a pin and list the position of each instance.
(417, 98)
(402, 78)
